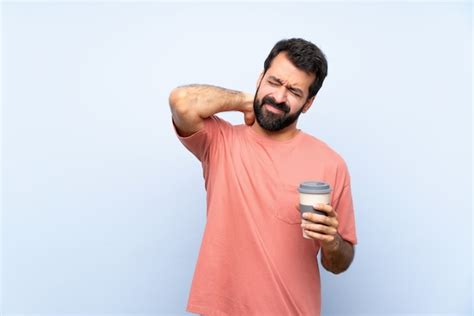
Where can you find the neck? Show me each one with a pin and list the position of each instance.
(285, 134)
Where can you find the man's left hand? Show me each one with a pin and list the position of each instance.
(323, 228)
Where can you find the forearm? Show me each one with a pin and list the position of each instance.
(337, 257)
(192, 104)
(206, 100)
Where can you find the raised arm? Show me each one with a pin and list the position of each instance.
(191, 104)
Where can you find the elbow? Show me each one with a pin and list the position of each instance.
(339, 270)
(183, 114)
(175, 97)
(339, 266)
(178, 104)
(336, 270)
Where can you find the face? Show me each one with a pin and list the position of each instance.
(282, 94)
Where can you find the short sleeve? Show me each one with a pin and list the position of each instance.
(344, 207)
(199, 143)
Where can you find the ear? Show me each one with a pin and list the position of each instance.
(308, 104)
(259, 79)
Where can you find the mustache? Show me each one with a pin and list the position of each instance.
(281, 106)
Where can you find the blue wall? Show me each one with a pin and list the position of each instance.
(93, 216)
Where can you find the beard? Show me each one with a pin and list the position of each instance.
(273, 121)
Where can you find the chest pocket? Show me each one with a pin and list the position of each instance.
(285, 204)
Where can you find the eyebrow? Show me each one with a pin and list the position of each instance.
(289, 87)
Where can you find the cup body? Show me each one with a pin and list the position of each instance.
(312, 193)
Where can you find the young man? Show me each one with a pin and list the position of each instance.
(253, 259)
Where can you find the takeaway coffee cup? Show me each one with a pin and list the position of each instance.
(312, 193)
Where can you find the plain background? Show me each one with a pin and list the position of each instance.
(103, 209)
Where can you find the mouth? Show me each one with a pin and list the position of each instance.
(273, 109)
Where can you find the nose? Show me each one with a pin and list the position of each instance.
(280, 94)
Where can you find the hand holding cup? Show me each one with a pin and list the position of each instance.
(322, 227)
(315, 199)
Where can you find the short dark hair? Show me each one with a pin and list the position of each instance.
(305, 56)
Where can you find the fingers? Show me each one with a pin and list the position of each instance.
(325, 208)
(321, 237)
(321, 219)
(249, 118)
(319, 228)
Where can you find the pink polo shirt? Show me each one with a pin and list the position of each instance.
(253, 259)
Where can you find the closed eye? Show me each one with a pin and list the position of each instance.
(295, 92)
(273, 83)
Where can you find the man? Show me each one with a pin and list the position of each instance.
(253, 259)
